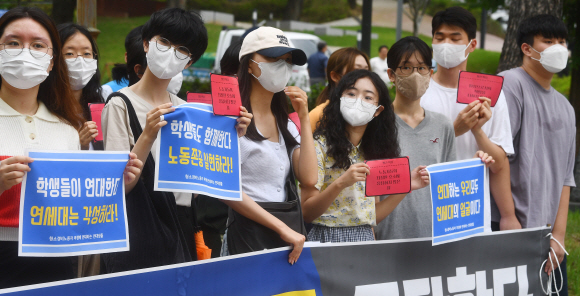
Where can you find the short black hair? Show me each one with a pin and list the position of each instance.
(545, 25)
(230, 62)
(455, 16)
(404, 48)
(383, 46)
(321, 45)
(179, 27)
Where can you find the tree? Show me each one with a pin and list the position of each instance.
(352, 4)
(416, 12)
(63, 11)
(520, 10)
(293, 10)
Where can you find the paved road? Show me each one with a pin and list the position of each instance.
(385, 15)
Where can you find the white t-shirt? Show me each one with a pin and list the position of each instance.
(265, 165)
(444, 100)
(380, 67)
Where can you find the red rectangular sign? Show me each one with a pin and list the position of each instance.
(96, 110)
(225, 94)
(388, 176)
(199, 98)
(472, 86)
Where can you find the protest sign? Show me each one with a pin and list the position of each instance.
(199, 98)
(472, 86)
(198, 152)
(295, 119)
(460, 199)
(499, 264)
(225, 94)
(388, 176)
(73, 203)
(96, 110)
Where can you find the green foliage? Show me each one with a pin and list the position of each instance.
(573, 247)
(475, 7)
(315, 90)
(324, 11)
(562, 85)
(242, 9)
(196, 86)
(483, 61)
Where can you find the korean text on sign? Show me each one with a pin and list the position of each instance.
(198, 152)
(72, 203)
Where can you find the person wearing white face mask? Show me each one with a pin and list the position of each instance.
(357, 125)
(37, 111)
(272, 152)
(80, 52)
(542, 118)
(424, 136)
(478, 126)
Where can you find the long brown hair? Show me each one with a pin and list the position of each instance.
(340, 61)
(279, 105)
(55, 91)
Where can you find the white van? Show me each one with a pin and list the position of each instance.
(307, 42)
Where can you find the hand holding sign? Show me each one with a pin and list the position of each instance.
(389, 176)
(356, 173)
(88, 133)
(467, 118)
(12, 171)
(484, 113)
(243, 121)
(155, 120)
(225, 94)
(473, 86)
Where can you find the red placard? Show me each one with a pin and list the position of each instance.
(225, 94)
(388, 176)
(96, 110)
(294, 117)
(472, 86)
(199, 98)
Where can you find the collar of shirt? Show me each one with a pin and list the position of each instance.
(42, 112)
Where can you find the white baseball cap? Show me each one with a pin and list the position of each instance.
(271, 42)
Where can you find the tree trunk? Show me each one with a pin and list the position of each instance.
(63, 11)
(520, 10)
(293, 10)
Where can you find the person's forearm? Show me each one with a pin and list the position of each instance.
(559, 229)
(248, 208)
(385, 207)
(307, 169)
(315, 203)
(501, 190)
(141, 149)
(495, 151)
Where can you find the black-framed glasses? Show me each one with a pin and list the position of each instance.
(181, 52)
(423, 70)
(87, 56)
(14, 47)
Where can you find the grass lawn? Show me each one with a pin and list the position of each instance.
(573, 248)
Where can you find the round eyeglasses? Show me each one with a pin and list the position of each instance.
(14, 47)
(181, 52)
(423, 70)
(87, 56)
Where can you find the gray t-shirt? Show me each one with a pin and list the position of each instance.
(544, 135)
(430, 142)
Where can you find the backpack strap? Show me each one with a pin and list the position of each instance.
(133, 119)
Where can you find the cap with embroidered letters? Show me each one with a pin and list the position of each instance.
(271, 42)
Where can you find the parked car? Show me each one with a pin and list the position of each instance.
(306, 42)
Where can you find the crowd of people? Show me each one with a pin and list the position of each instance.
(50, 75)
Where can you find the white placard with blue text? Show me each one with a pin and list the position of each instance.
(73, 203)
(459, 199)
(198, 152)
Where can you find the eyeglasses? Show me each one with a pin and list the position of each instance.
(38, 49)
(423, 70)
(181, 52)
(87, 56)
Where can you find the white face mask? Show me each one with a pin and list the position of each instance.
(553, 58)
(23, 71)
(175, 83)
(80, 71)
(274, 75)
(164, 64)
(449, 55)
(356, 112)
